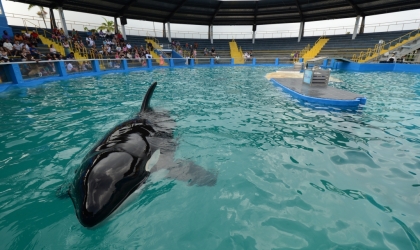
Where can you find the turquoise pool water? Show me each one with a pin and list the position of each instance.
(289, 176)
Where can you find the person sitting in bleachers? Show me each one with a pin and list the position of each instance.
(18, 37)
(118, 48)
(26, 35)
(70, 56)
(206, 51)
(5, 36)
(52, 49)
(120, 38)
(3, 55)
(109, 34)
(24, 54)
(17, 48)
(8, 46)
(213, 51)
(35, 38)
(102, 34)
(34, 52)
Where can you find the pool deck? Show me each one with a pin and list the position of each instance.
(291, 82)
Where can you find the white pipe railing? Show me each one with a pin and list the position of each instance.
(18, 19)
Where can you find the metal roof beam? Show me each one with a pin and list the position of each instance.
(174, 11)
(358, 11)
(215, 12)
(300, 11)
(124, 9)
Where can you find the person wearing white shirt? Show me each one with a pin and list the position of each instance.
(8, 46)
(128, 46)
(17, 48)
(70, 68)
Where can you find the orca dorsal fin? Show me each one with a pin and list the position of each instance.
(145, 106)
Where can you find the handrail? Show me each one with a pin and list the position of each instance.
(377, 50)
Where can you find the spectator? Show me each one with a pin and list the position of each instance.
(206, 51)
(34, 52)
(52, 49)
(24, 54)
(102, 34)
(26, 35)
(109, 34)
(118, 48)
(5, 36)
(3, 55)
(128, 47)
(18, 37)
(17, 48)
(213, 51)
(66, 46)
(148, 56)
(70, 56)
(35, 38)
(8, 47)
(120, 37)
(70, 68)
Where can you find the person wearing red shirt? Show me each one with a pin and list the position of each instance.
(120, 37)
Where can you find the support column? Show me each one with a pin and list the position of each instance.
(362, 26)
(356, 27)
(63, 20)
(169, 32)
(211, 33)
(254, 28)
(52, 19)
(301, 31)
(115, 25)
(123, 23)
(164, 31)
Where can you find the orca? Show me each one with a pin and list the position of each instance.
(120, 163)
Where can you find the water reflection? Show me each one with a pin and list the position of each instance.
(353, 194)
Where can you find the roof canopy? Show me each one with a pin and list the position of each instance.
(231, 12)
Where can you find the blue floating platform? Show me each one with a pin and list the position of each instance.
(324, 95)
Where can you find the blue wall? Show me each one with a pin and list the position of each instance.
(14, 74)
(16, 79)
(369, 67)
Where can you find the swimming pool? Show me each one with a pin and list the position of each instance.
(289, 176)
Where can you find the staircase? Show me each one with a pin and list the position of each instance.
(157, 49)
(314, 51)
(236, 53)
(402, 46)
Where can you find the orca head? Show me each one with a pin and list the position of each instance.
(108, 178)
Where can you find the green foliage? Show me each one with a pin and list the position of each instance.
(107, 25)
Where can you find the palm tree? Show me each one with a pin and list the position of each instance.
(107, 25)
(41, 13)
